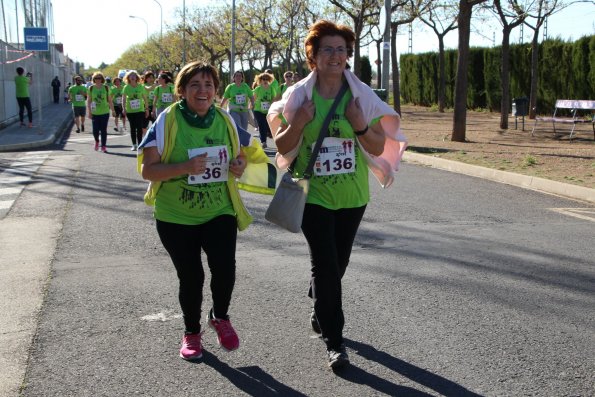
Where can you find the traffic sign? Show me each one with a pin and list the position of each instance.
(36, 39)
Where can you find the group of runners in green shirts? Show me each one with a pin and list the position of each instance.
(140, 99)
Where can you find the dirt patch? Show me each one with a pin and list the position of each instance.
(544, 155)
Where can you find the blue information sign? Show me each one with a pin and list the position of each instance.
(36, 39)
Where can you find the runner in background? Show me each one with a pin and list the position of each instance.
(78, 97)
(288, 77)
(263, 97)
(274, 84)
(163, 95)
(99, 104)
(238, 94)
(134, 99)
(149, 84)
(116, 93)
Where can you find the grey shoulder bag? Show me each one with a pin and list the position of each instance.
(287, 206)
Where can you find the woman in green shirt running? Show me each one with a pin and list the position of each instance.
(238, 94)
(99, 105)
(194, 206)
(339, 191)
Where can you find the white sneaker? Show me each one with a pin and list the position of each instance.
(134, 147)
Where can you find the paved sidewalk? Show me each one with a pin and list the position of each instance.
(58, 117)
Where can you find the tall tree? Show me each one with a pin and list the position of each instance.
(402, 12)
(511, 15)
(462, 82)
(536, 17)
(441, 18)
(360, 12)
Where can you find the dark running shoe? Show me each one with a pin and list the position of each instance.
(314, 322)
(337, 358)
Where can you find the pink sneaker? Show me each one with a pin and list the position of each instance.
(104, 149)
(191, 347)
(226, 335)
(96, 146)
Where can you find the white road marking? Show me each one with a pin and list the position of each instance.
(160, 317)
(587, 214)
(17, 174)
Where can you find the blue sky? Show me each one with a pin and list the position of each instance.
(122, 31)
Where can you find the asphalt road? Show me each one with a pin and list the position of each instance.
(457, 286)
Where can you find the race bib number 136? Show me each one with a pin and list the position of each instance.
(336, 156)
(217, 165)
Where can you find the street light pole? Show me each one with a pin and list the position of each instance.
(233, 39)
(183, 32)
(160, 36)
(146, 24)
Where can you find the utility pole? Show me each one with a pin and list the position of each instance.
(183, 32)
(233, 40)
(386, 48)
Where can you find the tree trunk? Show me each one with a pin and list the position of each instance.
(395, 69)
(442, 75)
(505, 78)
(459, 127)
(534, 60)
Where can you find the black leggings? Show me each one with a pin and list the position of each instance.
(263, 126)
(25, 103)
(330, 235)
(183, 243)
(100, 126)
(137, 122)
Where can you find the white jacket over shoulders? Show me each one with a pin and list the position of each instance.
(383, 166)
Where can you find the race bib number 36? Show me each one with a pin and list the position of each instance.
(217, 165)
(336, 156)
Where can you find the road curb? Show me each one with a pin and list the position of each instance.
(66, 123)
(524, 181)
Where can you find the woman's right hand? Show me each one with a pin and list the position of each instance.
(197, 165)
(304, 114)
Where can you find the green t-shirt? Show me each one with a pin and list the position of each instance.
(239, 97)
(336, 190)
(194, 204)
(99, 100)
(78, 95)
(150, 93)
(116, 94)
(165, 96)
(22, 85)
(135, 98)
(263, 97)
(275, 87)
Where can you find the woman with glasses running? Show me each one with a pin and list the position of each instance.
(362, 130)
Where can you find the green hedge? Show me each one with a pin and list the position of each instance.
(566, 71)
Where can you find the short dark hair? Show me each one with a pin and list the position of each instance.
(191, 70)
(20, 70)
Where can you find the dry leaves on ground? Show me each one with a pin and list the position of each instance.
(543, 155)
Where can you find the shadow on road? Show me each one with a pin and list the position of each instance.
(428, 379)
(251, 380)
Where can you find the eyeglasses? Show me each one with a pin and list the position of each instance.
(328, 51)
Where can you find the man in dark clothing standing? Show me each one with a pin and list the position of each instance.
(56, 89)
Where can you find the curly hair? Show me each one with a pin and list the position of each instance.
(322, 29)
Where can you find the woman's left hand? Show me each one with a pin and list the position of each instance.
(238, 165)
(355, 115)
